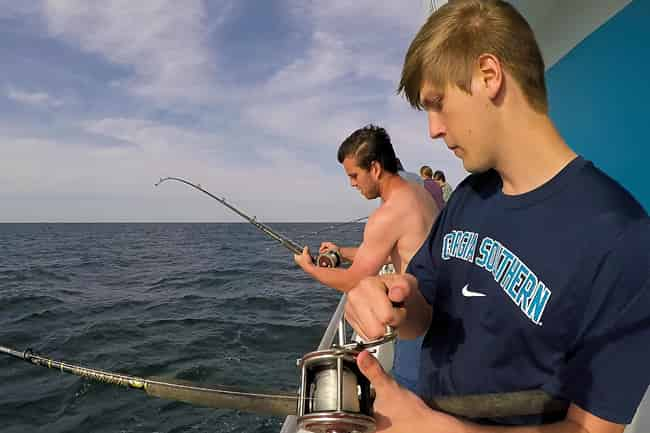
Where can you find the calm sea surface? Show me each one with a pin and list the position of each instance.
(208, 303)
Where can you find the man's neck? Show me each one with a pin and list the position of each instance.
(388, 183)
(531, 152)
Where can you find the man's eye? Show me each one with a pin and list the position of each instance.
(434, 104)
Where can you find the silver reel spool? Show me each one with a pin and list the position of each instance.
(335, 397)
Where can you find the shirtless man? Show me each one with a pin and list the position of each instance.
(396, 229)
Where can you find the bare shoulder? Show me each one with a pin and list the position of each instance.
(413, 209)
(411, 197)
(399, 208)
(385, 215)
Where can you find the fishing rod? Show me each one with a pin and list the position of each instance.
(330, 259)
(223, 397)
(317, 399)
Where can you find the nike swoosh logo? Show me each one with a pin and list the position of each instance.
(469, 294)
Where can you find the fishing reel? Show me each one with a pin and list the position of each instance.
(329, 259)
(335, 397)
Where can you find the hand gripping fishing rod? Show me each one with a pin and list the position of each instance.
(329, 259)
(326, 374)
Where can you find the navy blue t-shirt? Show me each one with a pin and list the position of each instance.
(548, 289)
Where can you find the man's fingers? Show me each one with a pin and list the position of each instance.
(363, 321)
(369, 308)
(371, 368)
(396, 294)
(399, 286)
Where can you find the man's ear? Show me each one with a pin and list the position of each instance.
(489, 76)
(376, 170)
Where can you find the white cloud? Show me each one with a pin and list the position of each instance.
(326, 60)
(367, 14)
(55, 180)
(347, 78)
(13, 9)
(153, 137)
(375, 33)
(36, 99)
(307, 121)
(344, 78)
(163, 42)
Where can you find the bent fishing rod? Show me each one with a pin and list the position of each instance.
(330, 259)
(529, 402)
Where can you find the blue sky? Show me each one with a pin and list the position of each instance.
(98, 100)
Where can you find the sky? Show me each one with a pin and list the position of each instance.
(98, 100)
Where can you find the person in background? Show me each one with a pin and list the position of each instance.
(536, 274)
(431, 185)
(447, 189)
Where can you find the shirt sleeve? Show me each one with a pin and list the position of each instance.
(607, 370)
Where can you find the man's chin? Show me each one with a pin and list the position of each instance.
(471, 166)
(474, 169)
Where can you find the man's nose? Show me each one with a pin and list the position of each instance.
(436, 127)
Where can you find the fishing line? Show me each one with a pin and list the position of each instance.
(333, 226)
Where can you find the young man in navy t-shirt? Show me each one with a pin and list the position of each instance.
(536, 275)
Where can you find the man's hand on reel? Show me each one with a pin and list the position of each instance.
(398, 410)
(328, 246)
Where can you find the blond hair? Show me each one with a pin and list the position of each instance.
(447, 47)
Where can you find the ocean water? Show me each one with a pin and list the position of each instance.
(208, 303)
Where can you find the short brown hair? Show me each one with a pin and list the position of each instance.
(368, 144)
(448, 45)
(426, 171)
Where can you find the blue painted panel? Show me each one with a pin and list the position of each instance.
(600, 98)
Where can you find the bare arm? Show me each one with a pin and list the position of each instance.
(379, 238)
(349, 253)
(346, 253)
